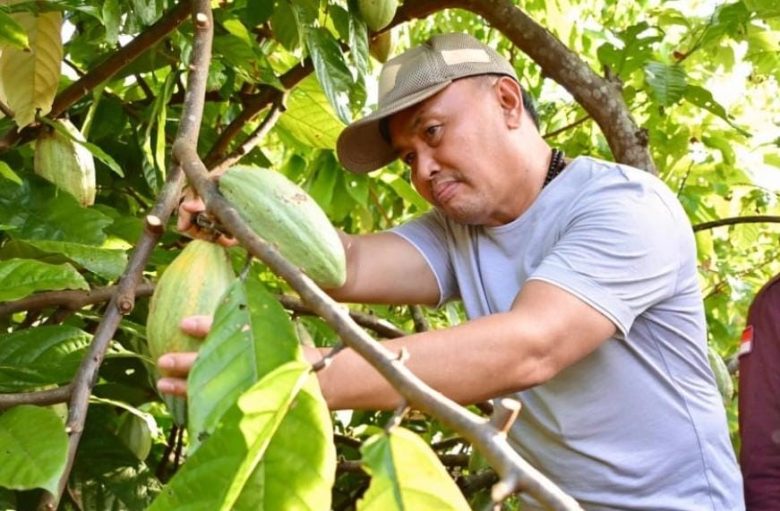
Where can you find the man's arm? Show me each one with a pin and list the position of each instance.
(385, 268)
(547, 330)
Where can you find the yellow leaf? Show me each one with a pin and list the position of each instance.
(29, 79)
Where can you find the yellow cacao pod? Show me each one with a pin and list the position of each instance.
(282, 213)
(66, 163)
(381, 46)
(192, 284)
(377, 13)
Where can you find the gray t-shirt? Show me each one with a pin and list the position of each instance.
(638, 423)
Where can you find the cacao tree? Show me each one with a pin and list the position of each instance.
(110, 107)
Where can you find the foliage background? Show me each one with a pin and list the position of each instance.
(700, 79)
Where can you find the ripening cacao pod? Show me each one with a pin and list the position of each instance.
(381, 45)
(192, 284)
(65, 162)
(722, 375)
(283, 214)
(377, 13)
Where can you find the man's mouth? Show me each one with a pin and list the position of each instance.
(445, 190)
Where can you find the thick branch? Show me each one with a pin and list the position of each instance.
(71, 300)
(41, 397)
(108, 68)
(602, 99)
(737, 220)
(516, 473)
(166, 202)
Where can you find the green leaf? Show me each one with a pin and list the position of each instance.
(309, 117)
(331, 70)
(667, 82)
(44, 355)
(387, 458)
(703, 98)
(284, 26)
(37, 210)
(111, 19)
(217, 475)
(258, 11)
(23, 277)
(251, 335)
(105, 262)
(8, 173)
(11, 33)
(404, 190)
(34, 447)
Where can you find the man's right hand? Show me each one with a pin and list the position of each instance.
(190, 206)
(175, 367)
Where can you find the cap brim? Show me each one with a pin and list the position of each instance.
(361, 147)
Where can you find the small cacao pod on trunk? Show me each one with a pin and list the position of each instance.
(282, 213)
(66, 163)
(193, 283)
(381, 46)
(377, 13)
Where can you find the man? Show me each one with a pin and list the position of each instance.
(759, 400)
(581, 289)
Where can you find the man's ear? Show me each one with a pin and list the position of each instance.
(510, 97)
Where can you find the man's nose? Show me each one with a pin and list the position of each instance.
(425, 166)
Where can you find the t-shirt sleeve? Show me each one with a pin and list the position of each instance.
(620, 250)
(428, 235)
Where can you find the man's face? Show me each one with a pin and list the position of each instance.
(454, 144)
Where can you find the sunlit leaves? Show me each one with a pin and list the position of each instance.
(387, 457)
(34, 447)
(309, 116)
(331, 71)
(667, 82)
(30, 77)
(22, 277)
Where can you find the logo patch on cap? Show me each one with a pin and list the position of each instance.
(464, 55)
(746, 343)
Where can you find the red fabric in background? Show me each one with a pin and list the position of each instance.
(759, 401)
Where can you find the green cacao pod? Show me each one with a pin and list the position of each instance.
(377, 13)
(283, 214)
(722, 375)
(134, 432)
(381, 45)
(65, 162)
(192, 284)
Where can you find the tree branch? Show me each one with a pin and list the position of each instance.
(105, 70)
(516, 473)
(41, 397)
(736, 220)
(601, 98)
(72, 300)
(166, 202)
(6, 110)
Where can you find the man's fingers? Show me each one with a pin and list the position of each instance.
(176, 364)
(197, 326)
(172, 386)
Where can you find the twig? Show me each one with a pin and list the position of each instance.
(494, 446)
(6, 110)
(381, 326)
(420, 323)
(72, 300)
(737, 220)
(166, 202)
(252, 140)
(555, 133)
(40, 397)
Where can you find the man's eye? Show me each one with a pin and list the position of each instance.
(433, 130)
(408, 158)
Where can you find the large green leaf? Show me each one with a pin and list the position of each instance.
(667, 82)
(40, 356)
(37, 210)
(331, 70)
(251, 335)
(105, 262)
(23, 277)
(309, 117)
(218, 473)
(388, 458)
(404, 190)
(34, 447)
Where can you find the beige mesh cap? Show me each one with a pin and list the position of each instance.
(407, 79)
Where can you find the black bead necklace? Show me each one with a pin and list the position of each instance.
(557, 164)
